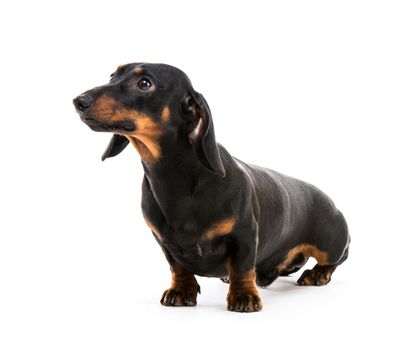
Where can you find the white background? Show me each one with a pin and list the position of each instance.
(314, 89)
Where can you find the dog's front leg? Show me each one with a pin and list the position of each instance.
(243, 295)
(184, 288)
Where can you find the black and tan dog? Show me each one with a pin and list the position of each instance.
(212, 214)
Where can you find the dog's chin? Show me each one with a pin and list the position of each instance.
(96, 125)
(124, 126)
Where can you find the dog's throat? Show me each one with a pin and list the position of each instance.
(147, 148)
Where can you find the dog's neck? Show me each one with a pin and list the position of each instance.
(178, 170)
(174, 165)
(148, 149)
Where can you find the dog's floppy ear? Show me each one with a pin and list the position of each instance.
(202, 137)
(116, 145)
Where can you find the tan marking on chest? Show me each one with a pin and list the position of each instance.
(308, 250)
(165, 114)
(220, 228)
(153, 228)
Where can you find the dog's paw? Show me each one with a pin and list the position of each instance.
(179, 297)
(244, 301)
(314, 277)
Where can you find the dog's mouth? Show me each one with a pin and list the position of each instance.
(95, 124)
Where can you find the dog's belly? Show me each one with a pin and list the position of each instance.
(203, 258)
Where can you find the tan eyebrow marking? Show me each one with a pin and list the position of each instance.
(165, 114)
(138, 70)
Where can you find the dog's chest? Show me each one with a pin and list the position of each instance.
(202, 258)
(186, 244)
(187, 238)
(187, 230)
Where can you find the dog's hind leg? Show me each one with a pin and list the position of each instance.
(295, 265)
(332, 239)
(320, 274)
(269, 270)
(265, 278)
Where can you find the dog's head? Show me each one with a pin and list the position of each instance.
(153, 106)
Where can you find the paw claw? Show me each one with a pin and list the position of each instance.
(318, 276)
(247, 301)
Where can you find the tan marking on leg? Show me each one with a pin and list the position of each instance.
(220, 228)
(184, 288)
(181, 277)
(308, 250)
(138, 70)
(153, 228)
(243, 294)
(165, 114)
(246, 281)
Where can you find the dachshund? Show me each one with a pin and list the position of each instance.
(212, 214)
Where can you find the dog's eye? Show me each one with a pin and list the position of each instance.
(144, 84)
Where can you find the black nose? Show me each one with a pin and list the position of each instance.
(83, 102)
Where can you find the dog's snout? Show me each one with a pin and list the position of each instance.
(83, 102)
